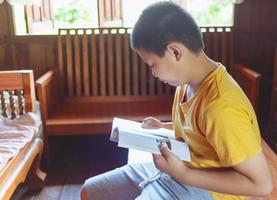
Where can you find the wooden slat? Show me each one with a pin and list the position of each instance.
(29, 91)
(3, 104)
(118, 56)
(231, 53)
(143, 77)
(127, 62)
(135, 73)
(29, 17)
(61, 64)
(151, 82)
(12, 106)
(108, 9)
(77, 65)
(20, 101)
(102, 64)
(224, 48)
(69, 65)
(36, 13)
(47, 9)
(160, 87)
(85, 64)
(94, 64)
(207, 41)
(116, 12)
(111, 65)
(215, 46)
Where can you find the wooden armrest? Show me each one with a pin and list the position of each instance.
(47, 93)
(45, 79)
(246, 72)
(249, 81)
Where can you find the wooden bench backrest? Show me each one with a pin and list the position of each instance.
(100, 62)
(17, 85)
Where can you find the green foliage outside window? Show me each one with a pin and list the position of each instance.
(72, 13)
(212, 12)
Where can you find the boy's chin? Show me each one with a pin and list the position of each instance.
(174, 84)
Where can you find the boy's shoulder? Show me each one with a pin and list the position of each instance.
(222, 90)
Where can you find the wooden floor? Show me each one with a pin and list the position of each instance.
(74, 159)
(77, 159)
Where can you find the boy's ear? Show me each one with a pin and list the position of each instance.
(174, 50)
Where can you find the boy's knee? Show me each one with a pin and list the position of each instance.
(89, 190)
(84, 192)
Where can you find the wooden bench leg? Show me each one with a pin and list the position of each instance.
(36, 178)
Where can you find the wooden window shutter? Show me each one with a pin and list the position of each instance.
(39, 17)
(110, 13)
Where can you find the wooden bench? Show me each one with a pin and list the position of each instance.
(26, 164)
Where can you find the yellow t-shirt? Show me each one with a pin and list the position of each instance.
(218, 123)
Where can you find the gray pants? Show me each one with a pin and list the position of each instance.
(141, 182)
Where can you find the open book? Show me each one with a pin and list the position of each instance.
(130, 134)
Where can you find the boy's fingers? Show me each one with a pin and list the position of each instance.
(165, 151)
(149, 123)
(158, 159)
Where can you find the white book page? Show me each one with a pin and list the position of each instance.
(132, 126)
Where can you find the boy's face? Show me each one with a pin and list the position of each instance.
(168, 68)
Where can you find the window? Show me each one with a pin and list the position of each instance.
(51, 15)
(212, 12)
(206, 13)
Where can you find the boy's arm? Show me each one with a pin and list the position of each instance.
(252, 177)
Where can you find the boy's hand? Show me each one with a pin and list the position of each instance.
(169, 163)
(151, 123)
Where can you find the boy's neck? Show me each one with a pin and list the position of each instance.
(203, 66)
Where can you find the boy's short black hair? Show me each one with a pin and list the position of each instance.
(162, 23)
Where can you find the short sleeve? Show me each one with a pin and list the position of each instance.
(230, 131)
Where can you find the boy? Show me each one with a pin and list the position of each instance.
(210, 112)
